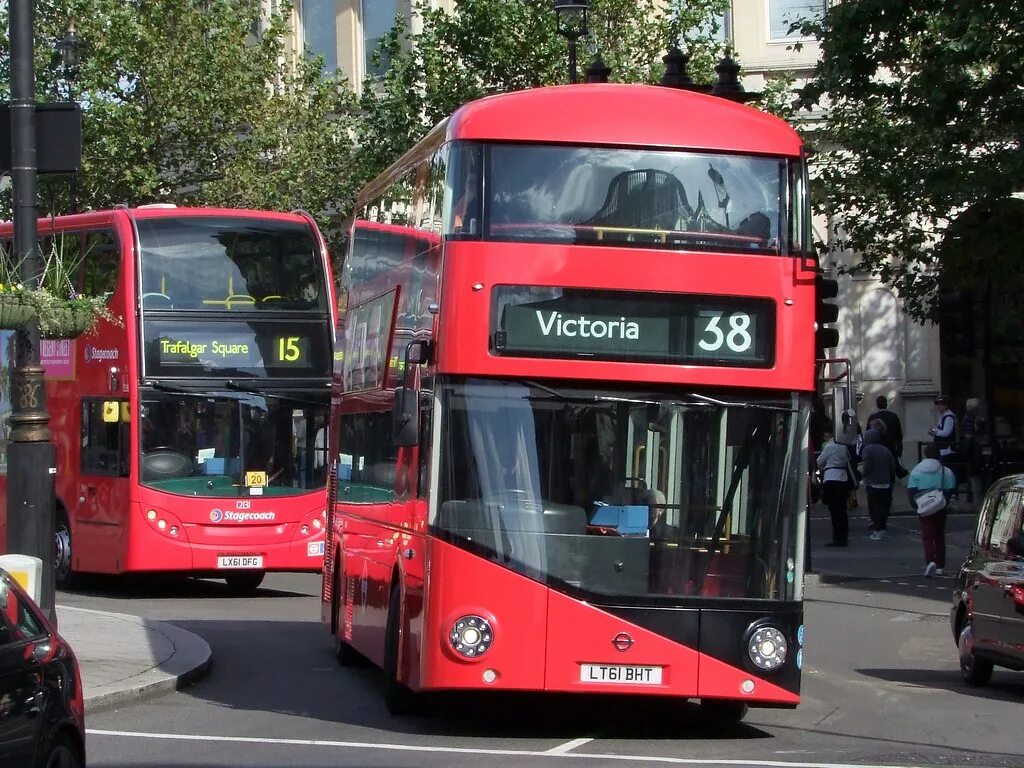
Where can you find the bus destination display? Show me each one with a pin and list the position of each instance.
(185, 349)
(649, 327)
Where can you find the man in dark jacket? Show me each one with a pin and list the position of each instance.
(879, 475)
(893, 436)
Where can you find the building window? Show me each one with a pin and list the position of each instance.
(717, 27)
(320, 31)
(782, 14)
(378, 20)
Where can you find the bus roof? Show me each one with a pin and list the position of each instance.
(155, 212)
(615, 114)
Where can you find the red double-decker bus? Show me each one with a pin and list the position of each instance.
(190, 434)
(569, 418)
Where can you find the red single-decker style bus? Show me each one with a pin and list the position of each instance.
(191, 432)
(569, 416)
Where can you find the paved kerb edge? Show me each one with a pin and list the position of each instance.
(190, 662)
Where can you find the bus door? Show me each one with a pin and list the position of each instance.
(104, 486)
(367, 470)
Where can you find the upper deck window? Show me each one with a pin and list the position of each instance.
(627, 197)
(240, 264)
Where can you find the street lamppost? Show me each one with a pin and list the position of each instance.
(69, 48)
(32, 457)
(571, 16)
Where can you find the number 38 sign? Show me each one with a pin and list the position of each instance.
(730, 335)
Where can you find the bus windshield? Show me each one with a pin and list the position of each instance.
(620, 197)
(624, 493)
(202, 445)
(230, 263)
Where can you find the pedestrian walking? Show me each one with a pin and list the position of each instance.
(944, 432)
(879, 473)
(836, 483)
(929, 486)
(851, 436)
(892, 438)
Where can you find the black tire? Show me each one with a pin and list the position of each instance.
(346, 654)
(244, 582)
(976, 671)
(64, 575)
(63, 753)
(398, 699)
(723, 711)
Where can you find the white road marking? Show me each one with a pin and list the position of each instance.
(569, 746)
(93, 732)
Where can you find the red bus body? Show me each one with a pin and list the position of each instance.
(139, 493)
(503, 515)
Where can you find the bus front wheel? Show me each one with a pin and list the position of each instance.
(397, 697)
(64, 574)
(244, 582)
(723, 711)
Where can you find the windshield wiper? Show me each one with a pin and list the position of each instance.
(248, 389)
(170, 388)
(706, 400)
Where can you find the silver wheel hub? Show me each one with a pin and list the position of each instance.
(63, 541)
(966, 646)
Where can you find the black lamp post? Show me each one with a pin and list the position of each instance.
(571, 16)
(32, 460)
(70, 49)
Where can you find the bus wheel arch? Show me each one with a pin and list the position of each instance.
(400, 700)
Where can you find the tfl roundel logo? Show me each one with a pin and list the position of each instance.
(216, 515)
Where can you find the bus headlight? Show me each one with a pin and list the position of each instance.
(767, 648)
(471, 636)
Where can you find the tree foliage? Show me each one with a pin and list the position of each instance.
(493, 46)
(195, 103)
(925, 103)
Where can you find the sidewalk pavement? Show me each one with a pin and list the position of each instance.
(899, 556)
(128, 657)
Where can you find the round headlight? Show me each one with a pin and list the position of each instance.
(471, 636)
(767, 648)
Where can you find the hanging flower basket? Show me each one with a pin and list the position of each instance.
(67, 319)
(15, 311)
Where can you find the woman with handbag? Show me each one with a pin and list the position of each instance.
(929, 486)
(836, 483)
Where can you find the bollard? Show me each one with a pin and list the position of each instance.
(27, 571)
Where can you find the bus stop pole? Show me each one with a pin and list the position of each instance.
(31, 466)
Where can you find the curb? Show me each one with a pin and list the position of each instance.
(190, 662)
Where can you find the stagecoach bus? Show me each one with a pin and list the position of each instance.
(569, 413)
(191, 431)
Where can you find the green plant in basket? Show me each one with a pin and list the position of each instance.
(61, 311)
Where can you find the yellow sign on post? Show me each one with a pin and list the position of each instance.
(255, 479)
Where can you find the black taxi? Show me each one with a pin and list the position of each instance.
(988, 595)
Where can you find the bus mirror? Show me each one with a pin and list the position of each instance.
(405, 418)
(417, 353)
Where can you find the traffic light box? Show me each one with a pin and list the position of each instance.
(956, 324)
(825, 313)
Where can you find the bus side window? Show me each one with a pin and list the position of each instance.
(104, 438)
(101, 263)
(372, 458)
